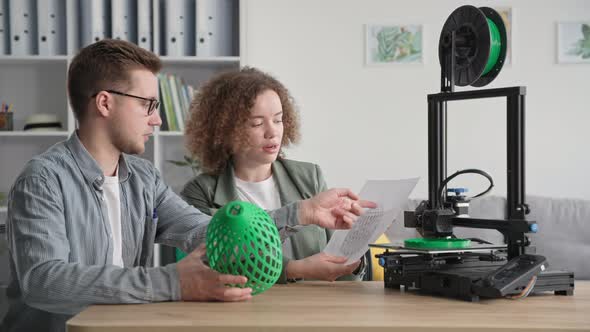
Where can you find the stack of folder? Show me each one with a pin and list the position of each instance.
(199, 27)
(186, 27)
(3, 28)
(30, 27)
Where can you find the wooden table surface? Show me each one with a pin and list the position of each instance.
(346, 306)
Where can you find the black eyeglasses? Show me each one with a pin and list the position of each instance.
(153, 105)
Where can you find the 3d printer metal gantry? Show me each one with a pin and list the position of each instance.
(472, 50)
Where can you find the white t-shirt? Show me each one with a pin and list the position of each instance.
(264, 193)
(111, 190)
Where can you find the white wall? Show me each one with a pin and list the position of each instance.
(363, 122)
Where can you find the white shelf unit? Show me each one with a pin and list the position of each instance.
(40, 133)
(37, 84)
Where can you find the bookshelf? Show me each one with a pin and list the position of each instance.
(37, 84)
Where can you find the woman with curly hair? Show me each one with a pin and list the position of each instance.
(239, 123)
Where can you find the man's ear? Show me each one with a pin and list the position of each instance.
(104, 103)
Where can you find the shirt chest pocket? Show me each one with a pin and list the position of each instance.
(148, 222)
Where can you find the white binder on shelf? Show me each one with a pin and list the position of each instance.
(23, 27)
(93, 21)
(73, 26)
(179, 27)
(51, 27)
(4, 27)
(123, 20)
(216, 27)
(144, 24)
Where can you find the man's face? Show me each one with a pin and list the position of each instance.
(264, 131)
(131, 125)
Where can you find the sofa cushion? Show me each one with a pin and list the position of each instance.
(563, 236)
(564, 233)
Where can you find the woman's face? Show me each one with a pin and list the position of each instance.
(264, 131)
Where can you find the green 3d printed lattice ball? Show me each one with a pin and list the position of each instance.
(242, 239)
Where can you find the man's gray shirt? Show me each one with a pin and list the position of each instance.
(61, 245)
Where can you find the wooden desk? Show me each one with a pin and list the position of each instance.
(346, 306)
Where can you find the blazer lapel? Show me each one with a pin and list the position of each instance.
(225, 191)
(287, 189)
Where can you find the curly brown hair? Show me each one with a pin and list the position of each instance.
(219, 114)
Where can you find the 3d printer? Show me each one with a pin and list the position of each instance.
(472, 50)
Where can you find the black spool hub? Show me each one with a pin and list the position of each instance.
(472, 44)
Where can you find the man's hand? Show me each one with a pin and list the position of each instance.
(320, 266)
(200, 283)
(333, 209)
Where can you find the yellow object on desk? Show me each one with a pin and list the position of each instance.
(376, 269)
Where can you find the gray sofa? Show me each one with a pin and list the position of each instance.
(563, 236)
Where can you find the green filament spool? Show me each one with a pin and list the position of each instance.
(480, 43)
(242, 239)
(495, 46)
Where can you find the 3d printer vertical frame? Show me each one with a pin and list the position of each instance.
(515, 144)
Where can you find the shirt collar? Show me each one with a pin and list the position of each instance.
(88, 165)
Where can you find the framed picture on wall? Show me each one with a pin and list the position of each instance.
(507, 15)
(393, 44)
(573, 42)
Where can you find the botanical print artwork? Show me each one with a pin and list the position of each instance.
(394, 44)
(573, 42)
(506, 14)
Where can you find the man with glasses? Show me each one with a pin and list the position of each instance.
(152, 104)
(83, 217)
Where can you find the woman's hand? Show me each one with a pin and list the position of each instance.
(333, 209)
(320, 266)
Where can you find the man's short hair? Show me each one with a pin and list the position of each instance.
(105, 65)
